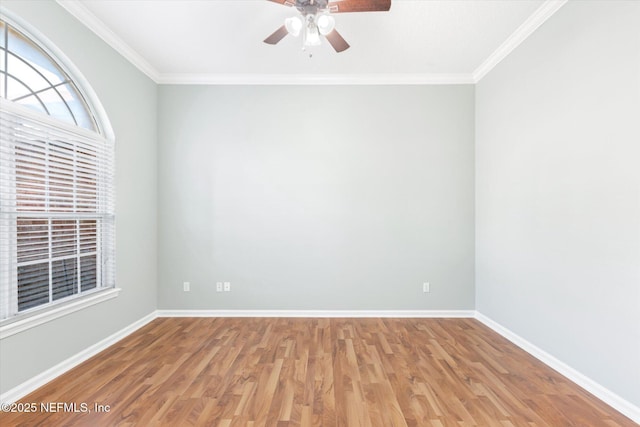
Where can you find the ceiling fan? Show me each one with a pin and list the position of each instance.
(315, 20)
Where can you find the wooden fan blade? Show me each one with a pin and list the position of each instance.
(277, 35)
(285, 2)
(343, 6)
(336, 40)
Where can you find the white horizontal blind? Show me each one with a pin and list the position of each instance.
(57, 224)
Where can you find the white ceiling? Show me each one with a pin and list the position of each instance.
(220, 41)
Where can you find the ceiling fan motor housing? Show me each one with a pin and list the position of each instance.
(311, 7)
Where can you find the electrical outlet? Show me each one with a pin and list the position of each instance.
(426, 288)
(186, 286)
(227, 286)
(218, 286)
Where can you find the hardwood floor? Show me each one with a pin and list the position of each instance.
(315, 372)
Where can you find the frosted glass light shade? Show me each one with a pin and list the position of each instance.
(312, 36)
(326, 24)
(293, 25)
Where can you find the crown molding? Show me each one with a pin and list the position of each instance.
(539, 17)
(80, 12)
(315, 79)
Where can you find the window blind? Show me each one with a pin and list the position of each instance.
(57, 223)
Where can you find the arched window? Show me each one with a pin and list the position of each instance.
(33, 79)
(56, 183)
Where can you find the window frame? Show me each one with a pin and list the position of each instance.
(38, 315)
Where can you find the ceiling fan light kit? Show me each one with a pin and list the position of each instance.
(315, 20)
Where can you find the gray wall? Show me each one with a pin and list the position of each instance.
(558, 191)
(129, 99)
(351, 197)
(316, 197)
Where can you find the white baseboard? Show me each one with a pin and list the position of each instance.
(604, 394)
(318, 313)
(610, 398)
(31, 385)
(41, 379)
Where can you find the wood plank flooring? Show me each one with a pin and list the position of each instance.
(315, 372)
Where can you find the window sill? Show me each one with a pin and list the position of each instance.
(17, 326)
